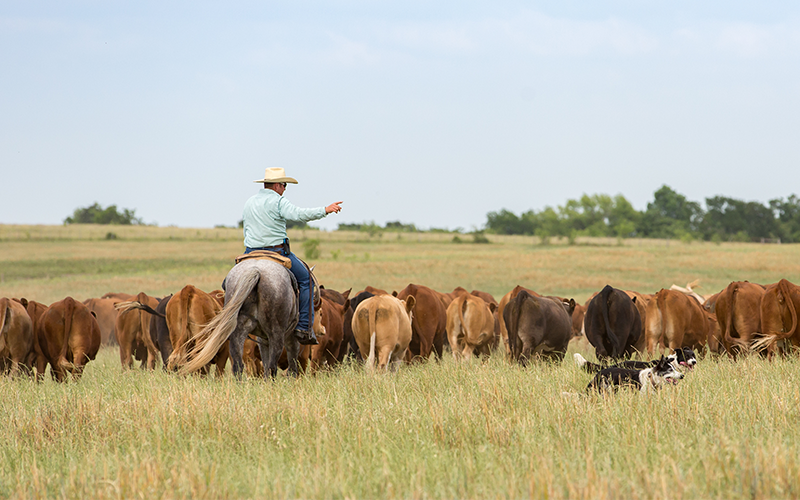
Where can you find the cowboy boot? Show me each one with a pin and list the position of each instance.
(306, 337)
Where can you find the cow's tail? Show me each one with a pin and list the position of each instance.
(122, 307)
(182, 333)
(216, 332)
(769, 339)
(5, 314)
(370, 364)
(733, 292)
(615, 341)
(513, 324)
(69, 310)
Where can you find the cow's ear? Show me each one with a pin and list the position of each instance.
(346, 293)
(492, 307)
(410, 303)
(394, 293)
(322, 287)
(24, 302)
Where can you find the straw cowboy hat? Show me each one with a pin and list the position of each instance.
(276, 174)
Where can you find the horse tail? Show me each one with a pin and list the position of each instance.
(210, 339)
(69, 310)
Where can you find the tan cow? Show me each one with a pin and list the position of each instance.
(188, 311)
(69, 337)
(16, 337)
(780, 306)
(470, 326)
(133, 333)
(738, 312)
(501, 307)
(106, 315)
(676, 320)
(382, 328)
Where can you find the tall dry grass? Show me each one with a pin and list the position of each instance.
(485, 429)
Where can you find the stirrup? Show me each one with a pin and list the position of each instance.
(306, 337)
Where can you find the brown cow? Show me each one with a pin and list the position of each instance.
(35, 311)
(382, 327)
(577, 320)
(133, 333)
(779, 309)
(69, 337)
(538, 326)
(640, 301)
(106, 315)
(331, 318)
(188, 311)
(429, 323)
(676, 320)
(738, 312)
(470, 326)
(501, 307)
(16, 337)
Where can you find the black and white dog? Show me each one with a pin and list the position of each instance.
(645, 379)
(680, 358)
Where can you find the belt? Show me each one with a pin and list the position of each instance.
(276, 248)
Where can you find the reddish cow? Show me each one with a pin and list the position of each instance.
(501, 307)
(188, 311)
(738, 312)
(69, 336)
(16, 336)
(133, 333)
(779, 308)
(428, 323)
(676, 320)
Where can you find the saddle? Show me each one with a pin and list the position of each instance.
(266, 255)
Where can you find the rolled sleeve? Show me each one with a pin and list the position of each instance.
(292, 212)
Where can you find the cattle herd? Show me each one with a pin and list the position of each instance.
(385, 330)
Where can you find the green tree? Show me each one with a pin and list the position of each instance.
(787, 213)
(95, 214)
(670, 215)
(738, 220)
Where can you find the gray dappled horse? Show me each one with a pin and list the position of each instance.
(261, 299)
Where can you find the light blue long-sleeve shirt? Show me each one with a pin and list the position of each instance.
(265, 215)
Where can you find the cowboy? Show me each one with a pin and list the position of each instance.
(265, 216)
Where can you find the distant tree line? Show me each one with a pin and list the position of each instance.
(95, 214)
(669, 215)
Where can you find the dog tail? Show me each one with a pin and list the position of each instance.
(586, 364)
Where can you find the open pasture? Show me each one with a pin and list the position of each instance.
(484, 429)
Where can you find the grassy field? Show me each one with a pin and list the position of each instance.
(485, 429)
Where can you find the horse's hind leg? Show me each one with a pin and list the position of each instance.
(236, 345)
(271, 361)
(292, 353)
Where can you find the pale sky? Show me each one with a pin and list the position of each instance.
(432, 113)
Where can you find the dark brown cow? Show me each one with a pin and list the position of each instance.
(779, 309)
(676, 320)
(133, 333)
(106, 315)
(16, 337)
(69, 337)
(187, 312)
(612, 324)
(501, 307)
(428, 323)
(738, 312)
(538, 326)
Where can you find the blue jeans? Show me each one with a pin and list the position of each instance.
(303, 284)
